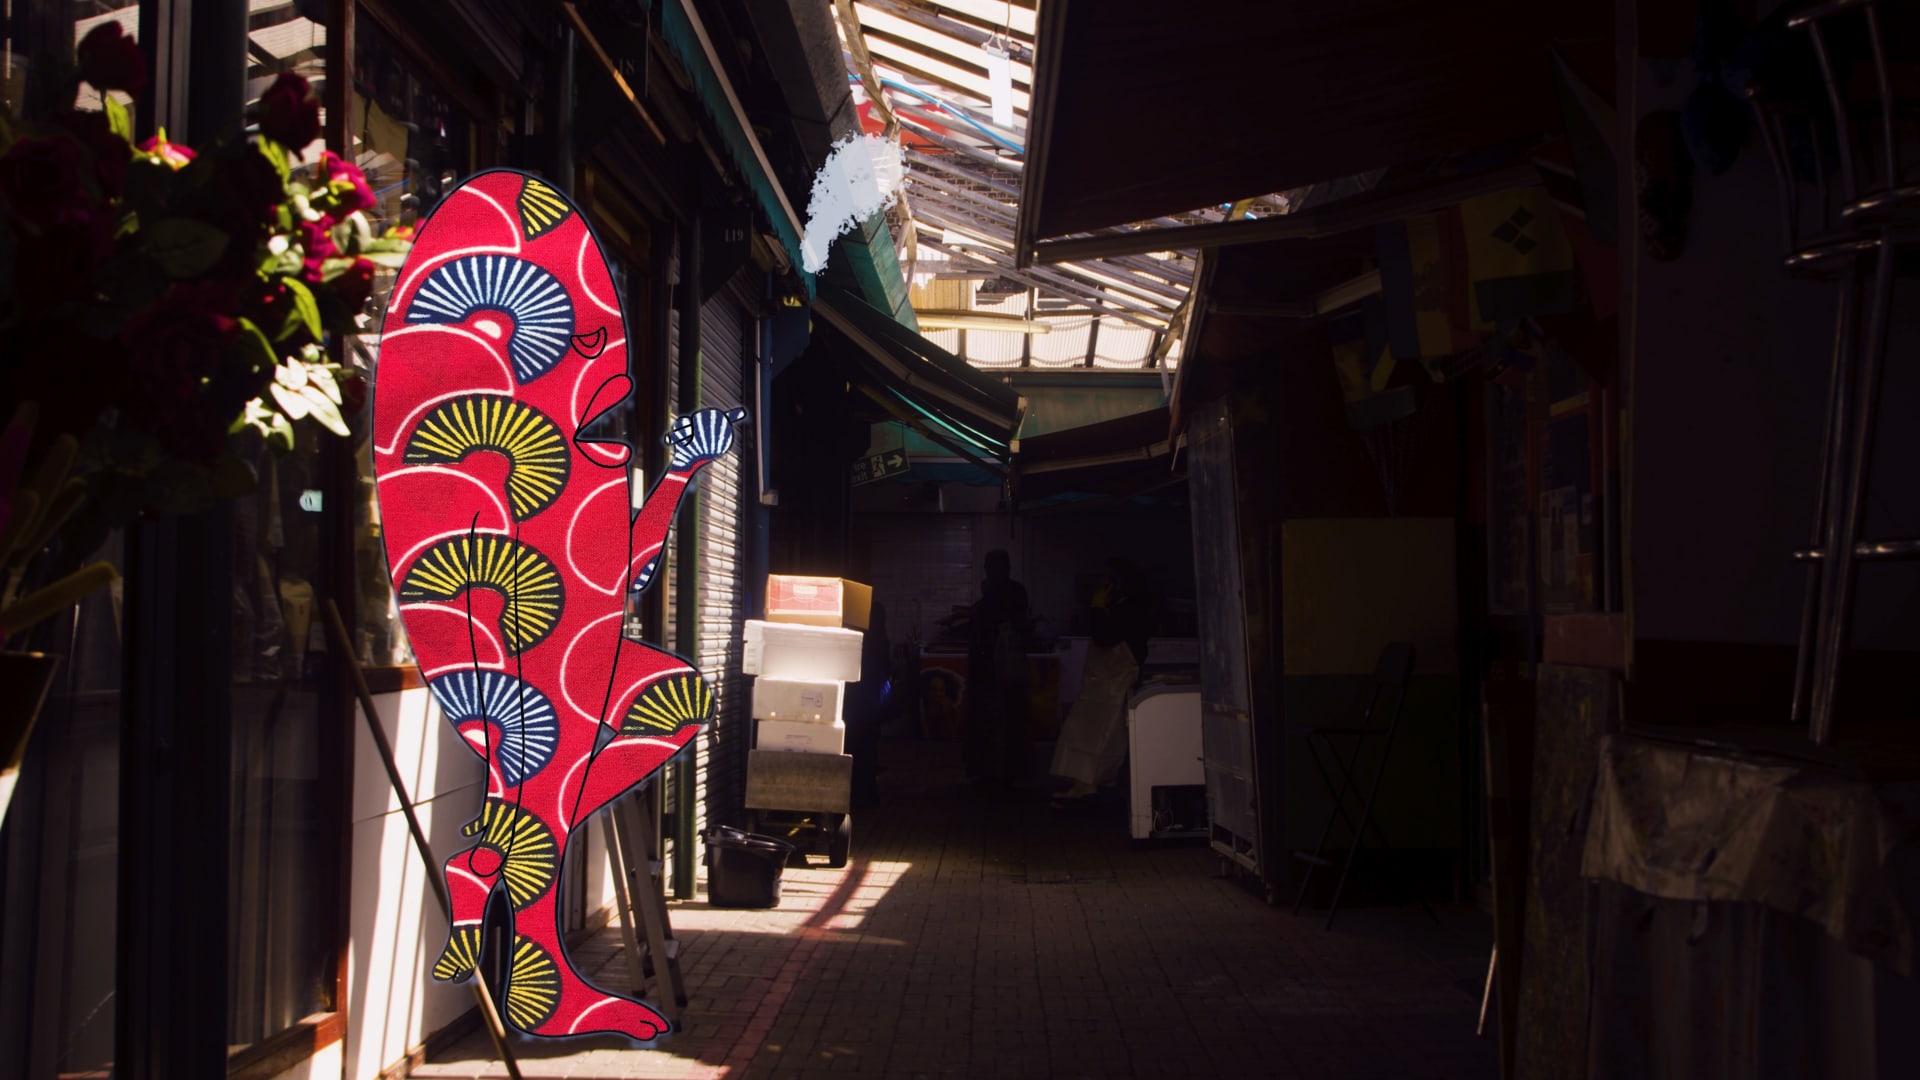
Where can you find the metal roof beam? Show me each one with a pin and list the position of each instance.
(968, 54)
(935, 161)
(920, 128)
(1096, 304)
(1344, 216)
(934, 69)
(1149, 317)
(948, 26)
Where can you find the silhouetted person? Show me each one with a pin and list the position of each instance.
(997, 722)
(1093, 739)
(866, 706)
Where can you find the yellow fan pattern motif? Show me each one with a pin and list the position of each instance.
(541, 209)
(530, 441)
(669, 705)
(533, 590)
(533, 986)
(525, 845)
(460, 957)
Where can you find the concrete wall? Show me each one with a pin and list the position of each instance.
(922, 564)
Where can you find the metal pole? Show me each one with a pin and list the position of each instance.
(488, 1014)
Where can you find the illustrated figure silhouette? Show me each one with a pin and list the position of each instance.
(513, 544)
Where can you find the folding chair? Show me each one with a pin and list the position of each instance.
(1389, 677)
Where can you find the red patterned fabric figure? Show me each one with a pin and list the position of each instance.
(512, 545)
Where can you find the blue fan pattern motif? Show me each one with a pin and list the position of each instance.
(528, 729)
(702, 436)
(541, 310)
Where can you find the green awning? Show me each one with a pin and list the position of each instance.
(924, 385)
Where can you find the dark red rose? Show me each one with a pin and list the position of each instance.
(61, 262)
(111, 60)
(347, 182)
(288, 113)
(316, 237)
(41, 181)
(354, 286)
(110, 152)
(245, 194)
(181, 340)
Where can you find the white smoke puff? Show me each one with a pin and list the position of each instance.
(860, 178)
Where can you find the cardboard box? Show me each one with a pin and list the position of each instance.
(801, 737)
(798, 699)
(818, 601)
(801, 652)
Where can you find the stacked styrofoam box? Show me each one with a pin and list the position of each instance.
(802, 662)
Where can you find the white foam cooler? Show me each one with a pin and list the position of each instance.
(796, 699)
(801, 653)
(801, 736)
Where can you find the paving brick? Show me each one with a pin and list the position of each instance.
(987, 937)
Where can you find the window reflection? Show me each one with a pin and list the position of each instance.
(283, 928)
(414, 144)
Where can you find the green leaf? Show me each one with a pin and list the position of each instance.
(118, 118)
(276, 156)
(149, 186)
(306, 311)
(333, 268)
(323, 410)
(280, 433)
(184, 248)
(294, 404)
(265, 356)
(391, 260)
(322, 377)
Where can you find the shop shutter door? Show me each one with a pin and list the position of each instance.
(724, 349)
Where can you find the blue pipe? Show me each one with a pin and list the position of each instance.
(984, 130)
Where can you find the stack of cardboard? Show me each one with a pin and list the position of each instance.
(803, 655)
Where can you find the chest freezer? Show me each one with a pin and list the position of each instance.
(1168, 795)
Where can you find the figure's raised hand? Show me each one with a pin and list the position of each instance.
(700, 436)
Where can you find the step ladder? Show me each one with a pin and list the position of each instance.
(631, 829)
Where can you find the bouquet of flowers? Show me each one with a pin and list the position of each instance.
(161, 307)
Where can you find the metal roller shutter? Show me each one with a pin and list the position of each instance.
(721, 517)
(723, 566)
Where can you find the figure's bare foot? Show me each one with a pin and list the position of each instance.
(609, 1015)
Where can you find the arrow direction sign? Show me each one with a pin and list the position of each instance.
(880, 466)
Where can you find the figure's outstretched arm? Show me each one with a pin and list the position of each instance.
(694, 440)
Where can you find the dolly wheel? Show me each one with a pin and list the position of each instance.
(841, 846)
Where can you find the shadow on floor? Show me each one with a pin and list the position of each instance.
(980, 933)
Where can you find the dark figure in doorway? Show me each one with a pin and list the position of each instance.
(866, 709)
(1093, 739)
(997, 723)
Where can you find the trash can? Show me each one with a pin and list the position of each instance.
(743, 868)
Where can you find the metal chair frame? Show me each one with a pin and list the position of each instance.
(1389, 675)
(1864, 226)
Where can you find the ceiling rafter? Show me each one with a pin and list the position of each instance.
(964, 178)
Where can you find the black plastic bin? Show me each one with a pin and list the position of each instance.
(743, 868)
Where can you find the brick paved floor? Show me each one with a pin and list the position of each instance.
(981, 935)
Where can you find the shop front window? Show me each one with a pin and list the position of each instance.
(284, 930)
(414, 144)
